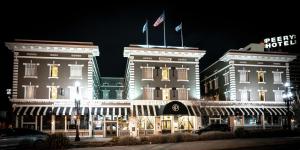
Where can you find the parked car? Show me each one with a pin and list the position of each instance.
(214, 127)
(22, 138)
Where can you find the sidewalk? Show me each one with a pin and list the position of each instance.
(90, 139)
(255, 143)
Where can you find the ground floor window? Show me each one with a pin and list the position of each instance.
(60, 122)
(47, 122)
(273, 120)
(238, 120)
(252, 120)
(84, 122)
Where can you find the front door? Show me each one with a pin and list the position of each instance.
(111, 129)
(166, 126)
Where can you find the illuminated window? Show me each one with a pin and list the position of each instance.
(76, 71)
(261, 76)
(53, 73)
(216, 83)
(182, 93)
(148, 93)
(147, 73)
(30, 91)
(205, 88)
(277, 77)
(119, 94)
(262, 95)
(165, 73)
(165, 94)
(227, 95)
(226, 78)
(31, 70)
(244, 76)
(105, 94)
(278, 95)
(245, 95)
(210, 84)
(53, 91)
(182, 74)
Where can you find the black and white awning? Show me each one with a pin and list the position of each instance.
(116, 111)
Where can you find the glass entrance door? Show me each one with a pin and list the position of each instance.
(166, 126)
(111, 129)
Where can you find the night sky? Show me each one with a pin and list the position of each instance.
(215, 28)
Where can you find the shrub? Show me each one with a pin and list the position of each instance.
(216, 135)
(241, 133)
(155, 139)
(129, 140)
(187, 137)
(144, 140)
(57, 141)
(115, 139)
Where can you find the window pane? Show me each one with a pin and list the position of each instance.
(182, 74)
(147, 73)
(166, 94)
(165, 73)
(54, 71)
(53, 92)
(182, 94)
(76, 72)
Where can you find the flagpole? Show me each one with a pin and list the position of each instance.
(181, 36)
(147, 35)
(165, 30)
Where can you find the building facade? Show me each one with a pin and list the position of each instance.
(250, 82)
(160, 93)
(162, 85)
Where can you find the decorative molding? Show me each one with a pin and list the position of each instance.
(168, 52)
(243, 55)
(59, 48)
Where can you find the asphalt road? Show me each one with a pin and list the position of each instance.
(286, 143)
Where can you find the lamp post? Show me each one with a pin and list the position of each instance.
(77, 107)
(288, 97)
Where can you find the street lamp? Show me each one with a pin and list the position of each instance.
(288, 97)
(77, 107)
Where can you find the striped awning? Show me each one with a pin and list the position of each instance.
(116, 111)
(33, 111)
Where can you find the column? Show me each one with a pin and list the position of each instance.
(90, 122)
(66, 123)
(41, 123)
(263, 121)
(117, 126)
(36, 122)
(17, 122)
(104, 126)
(52, 123)
(172, 124)
(21, 121)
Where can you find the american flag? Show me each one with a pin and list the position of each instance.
(159, 20)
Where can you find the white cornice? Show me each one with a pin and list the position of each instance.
(170, 52)
(58, 48)
(276, 57)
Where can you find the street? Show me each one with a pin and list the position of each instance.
(290, 143)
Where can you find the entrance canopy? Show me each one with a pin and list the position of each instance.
(175, 108)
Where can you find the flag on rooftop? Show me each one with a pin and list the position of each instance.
(178, 28)
(159, 20)
(145, 27)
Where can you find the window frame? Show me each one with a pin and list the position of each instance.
(76, 65)
(186, 73)
(50, 70)
(26, 69)
(247, 75)
(143, 76)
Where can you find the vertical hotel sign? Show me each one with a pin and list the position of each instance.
(280, 41)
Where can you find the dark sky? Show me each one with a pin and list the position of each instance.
(213, 27)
